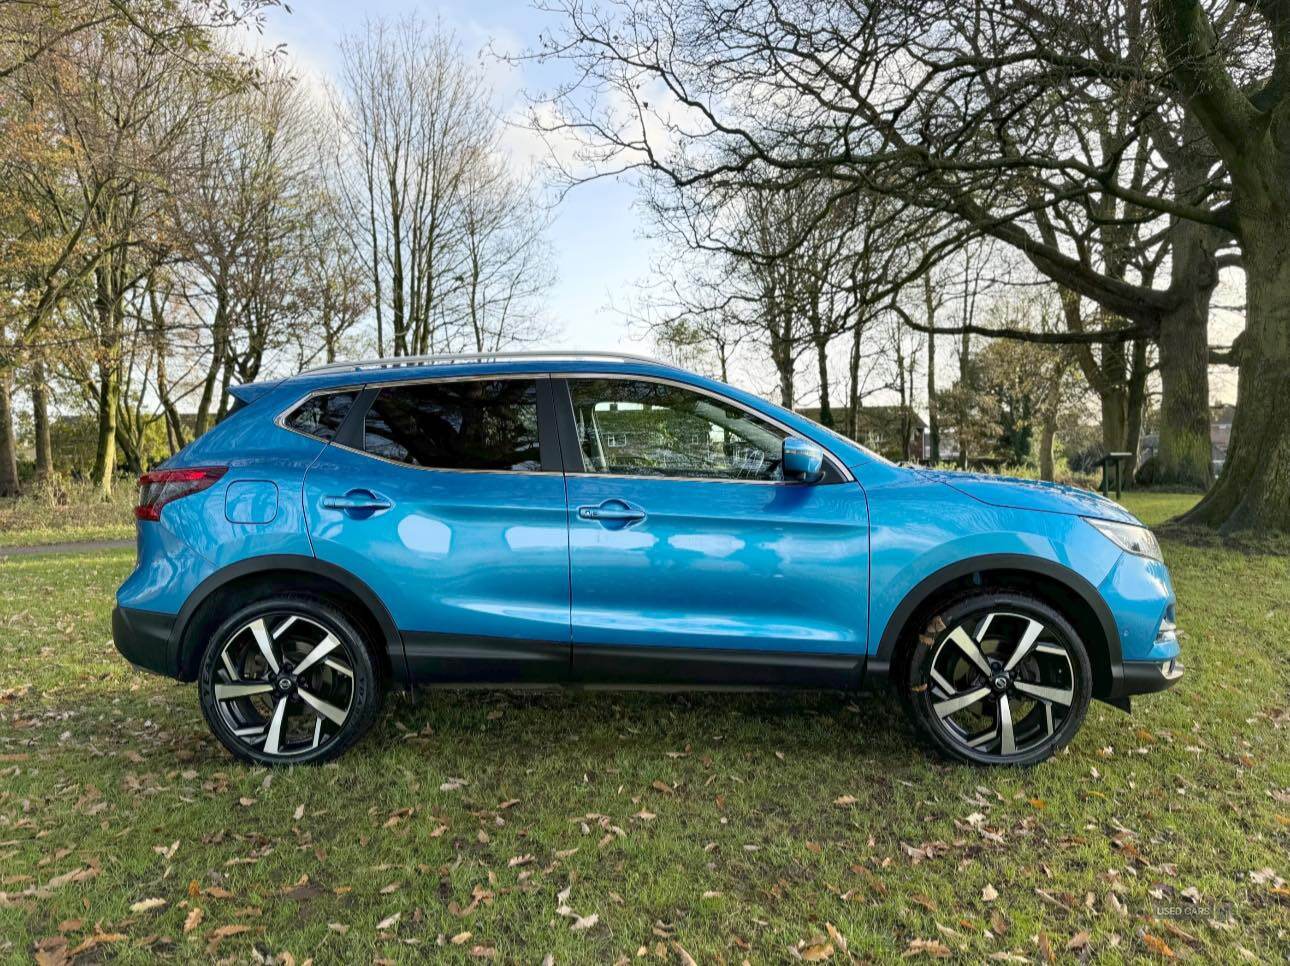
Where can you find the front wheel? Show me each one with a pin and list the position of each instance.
(997, 678)
(289, 680)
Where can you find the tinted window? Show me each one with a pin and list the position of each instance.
(322, 415)
(487, 425)
(654, 429)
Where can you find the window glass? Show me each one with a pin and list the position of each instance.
(641, 428)
(467, 425)
(322, 415)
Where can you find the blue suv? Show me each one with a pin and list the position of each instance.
(608, 521)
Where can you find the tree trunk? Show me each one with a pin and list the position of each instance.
(1253, 490)
(105, 450)
(8, 442)
(40, 421)
(1185, 455)
(822, 357)
(1048, 431)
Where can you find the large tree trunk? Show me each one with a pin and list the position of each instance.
(1184, 362)
(8, 442)
(1253, 490)
(40, 421)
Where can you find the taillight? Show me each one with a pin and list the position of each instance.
(160, 487)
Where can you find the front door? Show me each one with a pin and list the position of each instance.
(692, 560)
(448, 501)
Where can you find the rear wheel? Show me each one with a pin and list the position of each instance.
(997, 679)
(289, 680)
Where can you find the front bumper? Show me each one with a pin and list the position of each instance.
(143, 638)
(1145, 677)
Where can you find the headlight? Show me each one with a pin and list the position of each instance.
(1129, 538)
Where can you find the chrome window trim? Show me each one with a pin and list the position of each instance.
(843, 471)
(839, 465)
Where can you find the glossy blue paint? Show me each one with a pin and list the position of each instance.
(251, 501)
(759, 566)
(471, 554)
(653, 562)
(802, 460)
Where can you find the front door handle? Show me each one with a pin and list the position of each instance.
(357, 500)
(612, 512)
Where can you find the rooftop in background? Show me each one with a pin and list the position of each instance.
(553, 355)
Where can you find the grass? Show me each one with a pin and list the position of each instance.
(66, 511)
(594, 826)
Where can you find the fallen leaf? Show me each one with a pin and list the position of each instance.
(583, 923)
(989, 893)
(147, 905)
(193, 919)
(389, 921)
(1158, 946)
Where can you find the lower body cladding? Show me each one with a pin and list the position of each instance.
(147, 640)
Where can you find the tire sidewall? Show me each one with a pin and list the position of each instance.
(915, 679)
(364, 705)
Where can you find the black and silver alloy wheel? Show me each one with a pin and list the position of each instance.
(288, 680)
(999, 678)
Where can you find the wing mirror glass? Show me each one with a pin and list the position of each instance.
(803, 461)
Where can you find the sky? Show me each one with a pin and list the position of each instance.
(595, 238)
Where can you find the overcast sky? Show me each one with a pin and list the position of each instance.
(595, 239)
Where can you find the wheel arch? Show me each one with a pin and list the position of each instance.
(1059, 586)
(235, 584)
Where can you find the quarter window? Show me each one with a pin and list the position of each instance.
(466, 425)
(641, 428)
(321, 415)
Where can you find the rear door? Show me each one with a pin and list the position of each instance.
(446, 497)
(692, 560)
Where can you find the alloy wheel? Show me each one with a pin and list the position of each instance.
(1001, 684)
(283, 685)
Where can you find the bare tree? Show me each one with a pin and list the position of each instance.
(978, 111)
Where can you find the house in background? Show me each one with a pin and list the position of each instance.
(882, 429)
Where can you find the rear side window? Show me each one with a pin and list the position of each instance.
(469, 425)
(321, 415)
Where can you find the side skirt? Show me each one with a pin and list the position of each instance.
(440, 660)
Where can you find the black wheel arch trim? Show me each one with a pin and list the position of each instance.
(878, 667)
(277, 563)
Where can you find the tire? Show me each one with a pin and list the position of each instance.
(1029, 705)
(289, 680)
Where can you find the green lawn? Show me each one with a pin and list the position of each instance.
(599, 826)
(65, 512)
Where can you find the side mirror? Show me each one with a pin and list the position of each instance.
(802, 461)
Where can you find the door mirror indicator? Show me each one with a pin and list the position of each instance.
(803, 461)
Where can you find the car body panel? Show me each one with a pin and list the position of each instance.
(458, 554)
(740, 565)
(1004, 491)
(482, 571)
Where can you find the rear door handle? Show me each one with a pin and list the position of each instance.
(357, 500)
(612, 511)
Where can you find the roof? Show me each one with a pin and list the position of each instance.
(480, 357)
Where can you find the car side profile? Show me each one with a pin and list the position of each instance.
(598, 520)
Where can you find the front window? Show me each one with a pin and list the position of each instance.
(641, 428)
(468, 425)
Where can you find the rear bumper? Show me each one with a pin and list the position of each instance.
(143, 638)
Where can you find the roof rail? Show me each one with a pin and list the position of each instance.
(468, 357)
